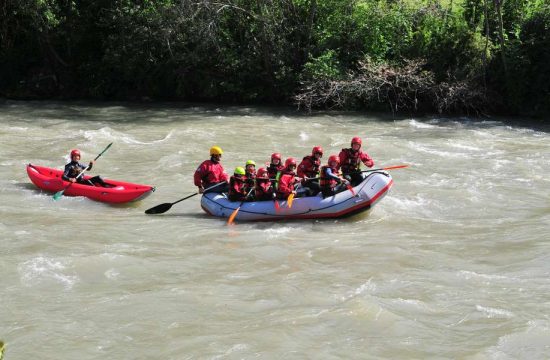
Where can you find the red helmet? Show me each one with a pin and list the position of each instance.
(356, 140)
(290, 161)
(75, 152)
(262, 173)
(317, 149)
(333, 158)
(276, 156)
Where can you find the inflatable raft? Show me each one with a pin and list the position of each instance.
(119, 191)
(371, 190)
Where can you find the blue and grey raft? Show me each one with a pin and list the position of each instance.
(365, 195)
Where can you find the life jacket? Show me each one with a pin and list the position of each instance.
(209, 172)
(350, 161)
(309, 167)
(250, 181)
(286, 184)
(263, 189)
(237, 188)
(273, 169)
(73, 169)
(325, 181)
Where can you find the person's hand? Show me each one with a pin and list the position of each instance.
(73, 180)
(92, 162)
(201, 190)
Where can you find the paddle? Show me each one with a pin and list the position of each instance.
(162, 208)
(59, 194)
(350, 188)
(234, 213)
(386, 168)
(290, 198)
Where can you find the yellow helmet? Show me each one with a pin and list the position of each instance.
(250, 162)
(216, 150)
(239, 170)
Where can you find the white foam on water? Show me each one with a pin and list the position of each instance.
(43, 269)
(106, 133)
(491, 312)
(533, 342)
(421, 125)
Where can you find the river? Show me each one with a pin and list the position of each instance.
(454, 263)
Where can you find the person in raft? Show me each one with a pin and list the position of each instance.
(264, 188)
(237, 185)
(210, 173)
(350, 161)
(331, 183)
(275, 167)
(308, 169)
(287, 180)
(74, 168)
(250, 170)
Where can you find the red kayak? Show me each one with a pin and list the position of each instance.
(118, 191)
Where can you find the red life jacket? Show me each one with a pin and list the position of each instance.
(209, 172)
(286, 184)
(264, 190)
(309, 167)
(237, 190)
(350, 161)
(325, 181)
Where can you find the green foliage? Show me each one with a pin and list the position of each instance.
(261, 51)
(325, 66)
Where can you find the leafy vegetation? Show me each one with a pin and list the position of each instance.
(461, 56)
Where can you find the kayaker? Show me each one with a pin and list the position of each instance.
(211, 173)
(250, 169)
(264, 188)
(237, 185)
(309, 170)
(350, 161)
(331, 183)
(287, 180)
(74, 168)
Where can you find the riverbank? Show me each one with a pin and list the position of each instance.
(451, 58)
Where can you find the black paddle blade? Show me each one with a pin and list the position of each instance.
(159, 209)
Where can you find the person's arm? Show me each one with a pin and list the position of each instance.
(197, 177)
(332, 175)
(65, 175)
(366, 159)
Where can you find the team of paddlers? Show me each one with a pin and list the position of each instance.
(279, 180)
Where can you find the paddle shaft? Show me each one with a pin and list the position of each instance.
(197, 193)
(380, 169)
(234, 213)
(162, 208)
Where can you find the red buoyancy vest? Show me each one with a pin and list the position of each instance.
(325, 181)
(237, 190)
(286, 184)
(264, 190)
(209, 172)
(309, 167)
(350, 160)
